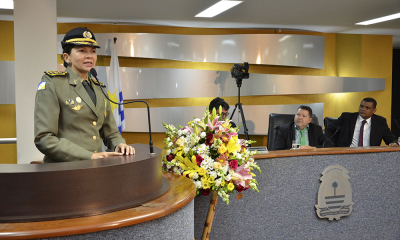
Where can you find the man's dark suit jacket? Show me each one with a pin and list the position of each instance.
(286, 135)
(347, 122)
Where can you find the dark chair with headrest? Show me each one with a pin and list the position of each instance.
(329, 121)
(276, 120)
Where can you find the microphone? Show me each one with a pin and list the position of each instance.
(337, 130)
(94, 74)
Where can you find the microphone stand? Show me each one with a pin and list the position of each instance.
(337, 130)
(94, 74)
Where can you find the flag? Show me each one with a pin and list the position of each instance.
(115, 90)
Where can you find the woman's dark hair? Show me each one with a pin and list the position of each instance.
(67, 49)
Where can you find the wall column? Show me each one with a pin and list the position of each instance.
(35, 42)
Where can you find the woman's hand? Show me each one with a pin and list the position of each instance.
(105, 154)
(124, 149)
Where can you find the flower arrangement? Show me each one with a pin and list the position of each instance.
(209, 152)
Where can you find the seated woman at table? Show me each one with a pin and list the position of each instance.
(301, 133)
(72, 115)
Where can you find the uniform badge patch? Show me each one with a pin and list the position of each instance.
(42, 86)
(77, 107)
(78, 99)
(69, 102)
(87, 34)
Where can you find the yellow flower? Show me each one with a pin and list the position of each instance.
(211, 179)
(206, 185)
(179, 158)
(231, 186)
(233, 144)
(202, 171)
(216, 165)
(222, 149)
(204, 180)
(222, 183)
(178, 151)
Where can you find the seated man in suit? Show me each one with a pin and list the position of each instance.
(215, 103)
(302, 131)
(362, 128)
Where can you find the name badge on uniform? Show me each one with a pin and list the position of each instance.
(42, 86)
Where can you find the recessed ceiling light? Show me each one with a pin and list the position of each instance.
(218, 8)
(381, 19)
(7, 4)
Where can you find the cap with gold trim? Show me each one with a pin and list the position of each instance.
(79, 36)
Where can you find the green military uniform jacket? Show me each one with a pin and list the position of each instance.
(68, 126)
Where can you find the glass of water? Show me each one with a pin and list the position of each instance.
(295, 145)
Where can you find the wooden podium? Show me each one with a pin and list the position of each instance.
(59, 199)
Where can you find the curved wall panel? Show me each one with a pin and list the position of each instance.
(272, 49)
(257, 116)
(149, 83)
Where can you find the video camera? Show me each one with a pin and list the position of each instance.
(240, 72)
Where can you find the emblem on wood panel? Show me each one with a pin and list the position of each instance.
(334, 195)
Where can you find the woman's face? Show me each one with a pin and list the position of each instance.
(83, 58)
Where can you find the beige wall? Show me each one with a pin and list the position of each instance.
(346, 55)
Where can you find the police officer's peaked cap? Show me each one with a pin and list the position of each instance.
(79, 36)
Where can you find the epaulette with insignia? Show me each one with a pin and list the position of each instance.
(98, 83)
(55, 73)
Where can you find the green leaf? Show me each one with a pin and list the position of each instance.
(199, 127)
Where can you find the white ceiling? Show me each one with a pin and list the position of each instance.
(336, 16)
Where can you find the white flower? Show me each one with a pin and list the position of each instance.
(186, 150)
(198, 184)
(218, 182)
(228, 177)
(239, 156)
(168, 139)
(169, 166)
(180, 142)
(168, 152)
(175, 169)
(203, 134)
(195, 175)
(225, 168)
(169, 144)
(213, 174)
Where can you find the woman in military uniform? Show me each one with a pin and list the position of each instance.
(72, 115)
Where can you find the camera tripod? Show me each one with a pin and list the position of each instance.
(239, 105)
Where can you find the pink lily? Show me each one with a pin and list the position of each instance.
(229, 135)
(240, 175)
(188, 128)
(215, 124)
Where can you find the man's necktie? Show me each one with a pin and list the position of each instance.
(302, 139)
(90, 91)
(361, 139)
